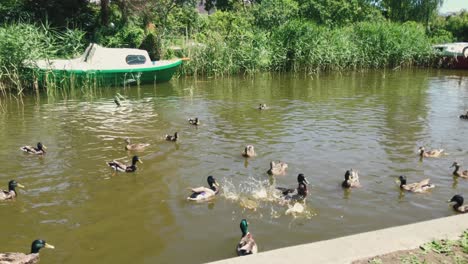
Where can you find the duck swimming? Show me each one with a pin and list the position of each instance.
(351, 179)
(430, 153)
(277, 168)
(246, 245)
(456, 172)
(135, 146)
(39, 150)
(249, 151)
(11, 193)
(458, 206)
(203, 193)
(21, 258)
(172, 138)
(418, 187)
(262, 107)
(465, 116)
(300, 193)
(194, 121)
(118, 166)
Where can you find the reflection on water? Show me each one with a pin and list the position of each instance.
(321, 126)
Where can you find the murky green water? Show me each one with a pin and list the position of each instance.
(373, 122)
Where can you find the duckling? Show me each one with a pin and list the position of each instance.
(21, 258)
(172, 138)
(118, 166)
(249, 151)
(351, 179)
(430, 153)
(194, 121)
(39, 150)
(465, 116)
(11, 193)
(458, 206)
(202, 193)
(277, 168)
(418, 187)
(262, 107)
(300, 193)
(462, 174)
(135, 146)
(246, 245)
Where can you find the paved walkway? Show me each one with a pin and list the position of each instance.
(364, 245)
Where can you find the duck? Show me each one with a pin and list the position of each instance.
(117, 101)
(11, 193)
(351, 179)
(456, 172)
(277, 168)
(194, 121)
(247, 244)
(39, 150)
(135, 146)
(430, 153)
(458, 206)
(21, 258)
(300, 193)
(203, 193)
(465, 116)
(249, 151)
(417, 187)
(172, 138)
(262, 107)
(118, 166)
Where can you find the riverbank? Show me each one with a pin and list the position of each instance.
(363, 246)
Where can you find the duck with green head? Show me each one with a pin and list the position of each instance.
(118, 166)
(39, 150)
(457, 172)
(21, 258)
(194, 121)
(417, 187)
(174, 138)
(458, 206)
(11, 193)
(246, 245)
(298, 194)
(203, 193)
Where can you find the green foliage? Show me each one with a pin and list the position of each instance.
(274, 13)
(152, 45)
(458, 25)
(129, 36)
(411, 10)
(440, 36)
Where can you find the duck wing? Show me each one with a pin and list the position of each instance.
(136, 146)
(18, 258)
(117, 165)
(285, 191)
(5, 195)
(247, 245)
(29, 149)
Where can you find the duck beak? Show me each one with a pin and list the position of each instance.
(449, 201)
(306, 181)
(49, 246)
(44, 147)
(216, 183)
(140, 161)
(20, 185)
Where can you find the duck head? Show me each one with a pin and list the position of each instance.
(38, 244)
(458, 199)
(249, 151)
(402, 180)
(127, 140)
(244, 227)
(301, 179)
(421, 150)
(212, 182)
(262, 106)
(136, 159)
(42, 147)
(455, 164)
(13, 184)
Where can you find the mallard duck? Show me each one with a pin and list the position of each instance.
(456, 172)
(21, 258)
(262, 107)
(351, 179)
(118, 166)
(202, 193)
(11, 193)
(135, 146)
(465, 116)
(246, 245)
(417, 187)
(194, 121)
(39, 150)
(430, 153)
(277, 168)
(300, 193)
(458, 206)
(249, 151)
(172, 138)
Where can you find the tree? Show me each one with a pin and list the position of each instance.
(414, 10)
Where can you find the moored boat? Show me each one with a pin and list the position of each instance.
(453, 55)
(107, 66)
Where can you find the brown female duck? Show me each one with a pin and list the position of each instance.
(429, 153)
(417, 187)
(135, 146)
(249, 151)
(277, 168)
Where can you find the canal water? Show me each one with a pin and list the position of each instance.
(321, 126)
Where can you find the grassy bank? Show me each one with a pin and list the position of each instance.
(437, 251)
